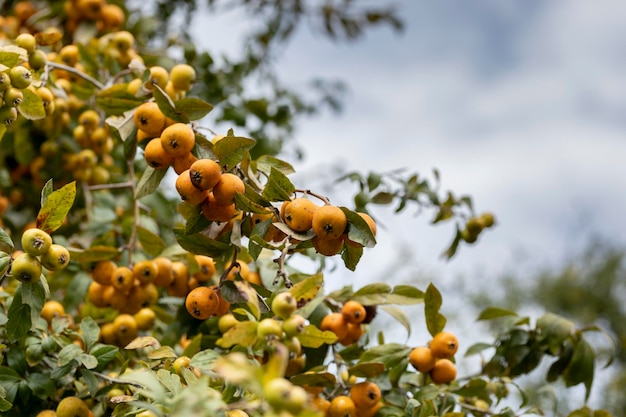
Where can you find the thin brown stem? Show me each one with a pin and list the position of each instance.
(324, 199)
(282, 272)
(88, 78)
(116, 380)
(125, 184)
(234, 263)
(133, 233)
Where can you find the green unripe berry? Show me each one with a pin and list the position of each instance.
(21, 76)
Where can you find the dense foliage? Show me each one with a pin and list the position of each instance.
(122, 295)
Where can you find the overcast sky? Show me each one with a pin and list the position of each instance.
(518, 103)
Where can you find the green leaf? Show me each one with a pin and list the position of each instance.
(278, 187)
(308, 288)
(31, 106)
(351, 255)
(46, 191)
(373, 289)
(149, 182)
(367, 369)
(400, 317)
(251, 297)
(93, 254)
(242, 334)
(6, 239)
(192, 108)
(11, 58)
(265, 164)
(358, 229)
(380, 293)
(312, 337)
(230, 150)
(477, 348)
(122, 126)
(200, 244)
(9, 380)
(116, 100)
(167, 106)
(390, 354)
(491, 313)
(315, 379)
(41, 385)
(69, 353)
(554, 329)
(5, 260)
(581, 367)
(58, 204)
(90, 380)
(19, 317)
(104, 353)
(150, 242)
(383, 198)
(244, 203)
(435, 322)
(90, 332)
(34, 295)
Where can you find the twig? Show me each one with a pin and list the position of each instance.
(233, 264)
(282, 273)
(109, 186)
(319, 196)
(116, 380)
(133, 233)
(74, 71)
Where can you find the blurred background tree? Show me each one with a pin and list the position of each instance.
(589, 289)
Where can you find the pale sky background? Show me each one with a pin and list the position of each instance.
(520, 104)
(517, 103)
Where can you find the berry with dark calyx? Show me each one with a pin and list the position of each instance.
(26, 268)
(56, 258)
(284, 304)
(21, 76)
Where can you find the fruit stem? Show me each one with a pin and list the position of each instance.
(116, 380)
(233, 264)
(133, 233)
(325, 200)
(282, 273)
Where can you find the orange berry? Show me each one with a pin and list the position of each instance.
(164, 275)
(156, 156)
(206, 268)
(327, 247)
(353, 334)
(335, 323)
(178, 139)
(205, 174)
(365, 395)
(214, 212)
(187, 191)
(149, 118)
(202, 303)
(179, 287)
(112, 17)
(422, 359)
(341, 406)
(145, 271)
(329, 222)
(183, 163)
(95, 293)
(444, 345)
(443, 372)
(353, 312)
(298, 214)
(225, 190)
(122, 278)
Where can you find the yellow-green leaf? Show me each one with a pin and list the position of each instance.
(31, 106)
(58, 204)
(312, 337)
